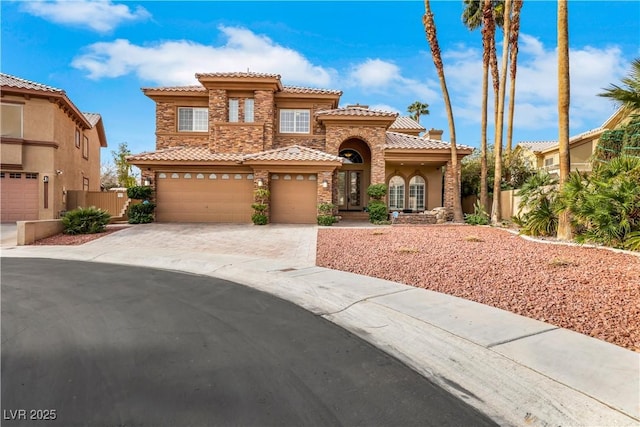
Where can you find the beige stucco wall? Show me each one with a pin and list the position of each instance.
(49, 146)
(432, 176)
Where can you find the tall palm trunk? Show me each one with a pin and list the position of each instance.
(496, 215)
(564, 224)
(487, 15)
(430, 29)
(515, 33)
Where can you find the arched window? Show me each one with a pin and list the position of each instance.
(396, 192)
(416, 193)
(351, 156)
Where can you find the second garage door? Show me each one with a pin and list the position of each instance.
(204, 197)
(19, 194)
(293, 198)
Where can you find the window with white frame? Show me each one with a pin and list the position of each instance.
(11, 123)
(396, 192)
(248, 110)
(416, 193)
(233, 110)
(294, 121)
(193, 119)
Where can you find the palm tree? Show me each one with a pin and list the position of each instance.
(564, 223)
(496, 215)
(418, 109)
(482, 13)
(430, 30)
(629, 94)
(513, 41)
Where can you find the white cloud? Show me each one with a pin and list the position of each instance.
(384, 77)
(100, 16)
(176, 62)
(536, 88)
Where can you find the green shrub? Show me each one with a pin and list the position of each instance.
(259, 219)
(327, 220)
(85, 221)
(377, 191)
(377, 211)
(259, 207)
(141, 213)
(478, 217)
(326, 208)
(139, 192)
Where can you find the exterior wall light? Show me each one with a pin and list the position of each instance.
(45, 179)
(325, 184)
(260, 182)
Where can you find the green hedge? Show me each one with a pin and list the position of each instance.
(141, 213)
(140, 192)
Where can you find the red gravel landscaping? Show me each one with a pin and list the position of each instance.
(592, 291)
(77, 239)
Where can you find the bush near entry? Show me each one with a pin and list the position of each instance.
(85, 221)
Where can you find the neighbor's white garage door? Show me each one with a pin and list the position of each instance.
(19, 194)
(204, 197)
(294, 198)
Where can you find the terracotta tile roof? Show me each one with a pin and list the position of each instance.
(356, 111)
(406, 123)
(310, 90)
(185, 154)
(93, 118)
(18, 83)
(196, 88)
(540, 146)
(293, 153)
(237, 75)
(404, 141)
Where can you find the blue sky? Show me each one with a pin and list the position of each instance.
(376, 52)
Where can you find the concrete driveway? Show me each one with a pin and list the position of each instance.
(8, 234)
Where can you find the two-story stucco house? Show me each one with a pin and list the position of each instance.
(48, 146)
(218, 141)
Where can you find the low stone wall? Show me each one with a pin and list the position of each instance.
(30, 231)
(434, 216)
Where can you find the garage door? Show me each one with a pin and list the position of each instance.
(204, 197)
(19, 193)
(293, 198)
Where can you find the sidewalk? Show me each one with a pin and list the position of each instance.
(517, 370)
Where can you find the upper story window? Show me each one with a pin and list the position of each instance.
(11, 123)
(294, 121)
(193, 119)
(248, 110)
(234, 106)
(77, 138)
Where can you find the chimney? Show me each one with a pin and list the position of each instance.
(435, 134)
(366, 107)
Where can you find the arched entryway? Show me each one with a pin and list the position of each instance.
(354, 176)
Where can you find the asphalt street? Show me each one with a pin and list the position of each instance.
(94, 344)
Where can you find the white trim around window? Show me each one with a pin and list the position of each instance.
(396, 193)
(193, 119)
(295, 121)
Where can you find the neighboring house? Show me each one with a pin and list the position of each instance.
(545, 154)
(235, 132)
(49, 147)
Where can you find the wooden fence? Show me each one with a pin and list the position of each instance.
(114, 202)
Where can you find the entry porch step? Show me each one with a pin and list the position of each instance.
(354, 215)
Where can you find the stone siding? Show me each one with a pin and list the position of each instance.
(374, 136)
(448, 187)
(434, 216)
(264, 112)
(315, 142)
(243, 138)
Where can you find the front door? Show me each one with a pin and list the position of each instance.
(349, 190)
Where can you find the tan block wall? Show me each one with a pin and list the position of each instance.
(30, 231)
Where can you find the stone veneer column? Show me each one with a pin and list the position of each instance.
(217, 113)
(324, 195)
(448, 188)
(262, 174)
(264, 111)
